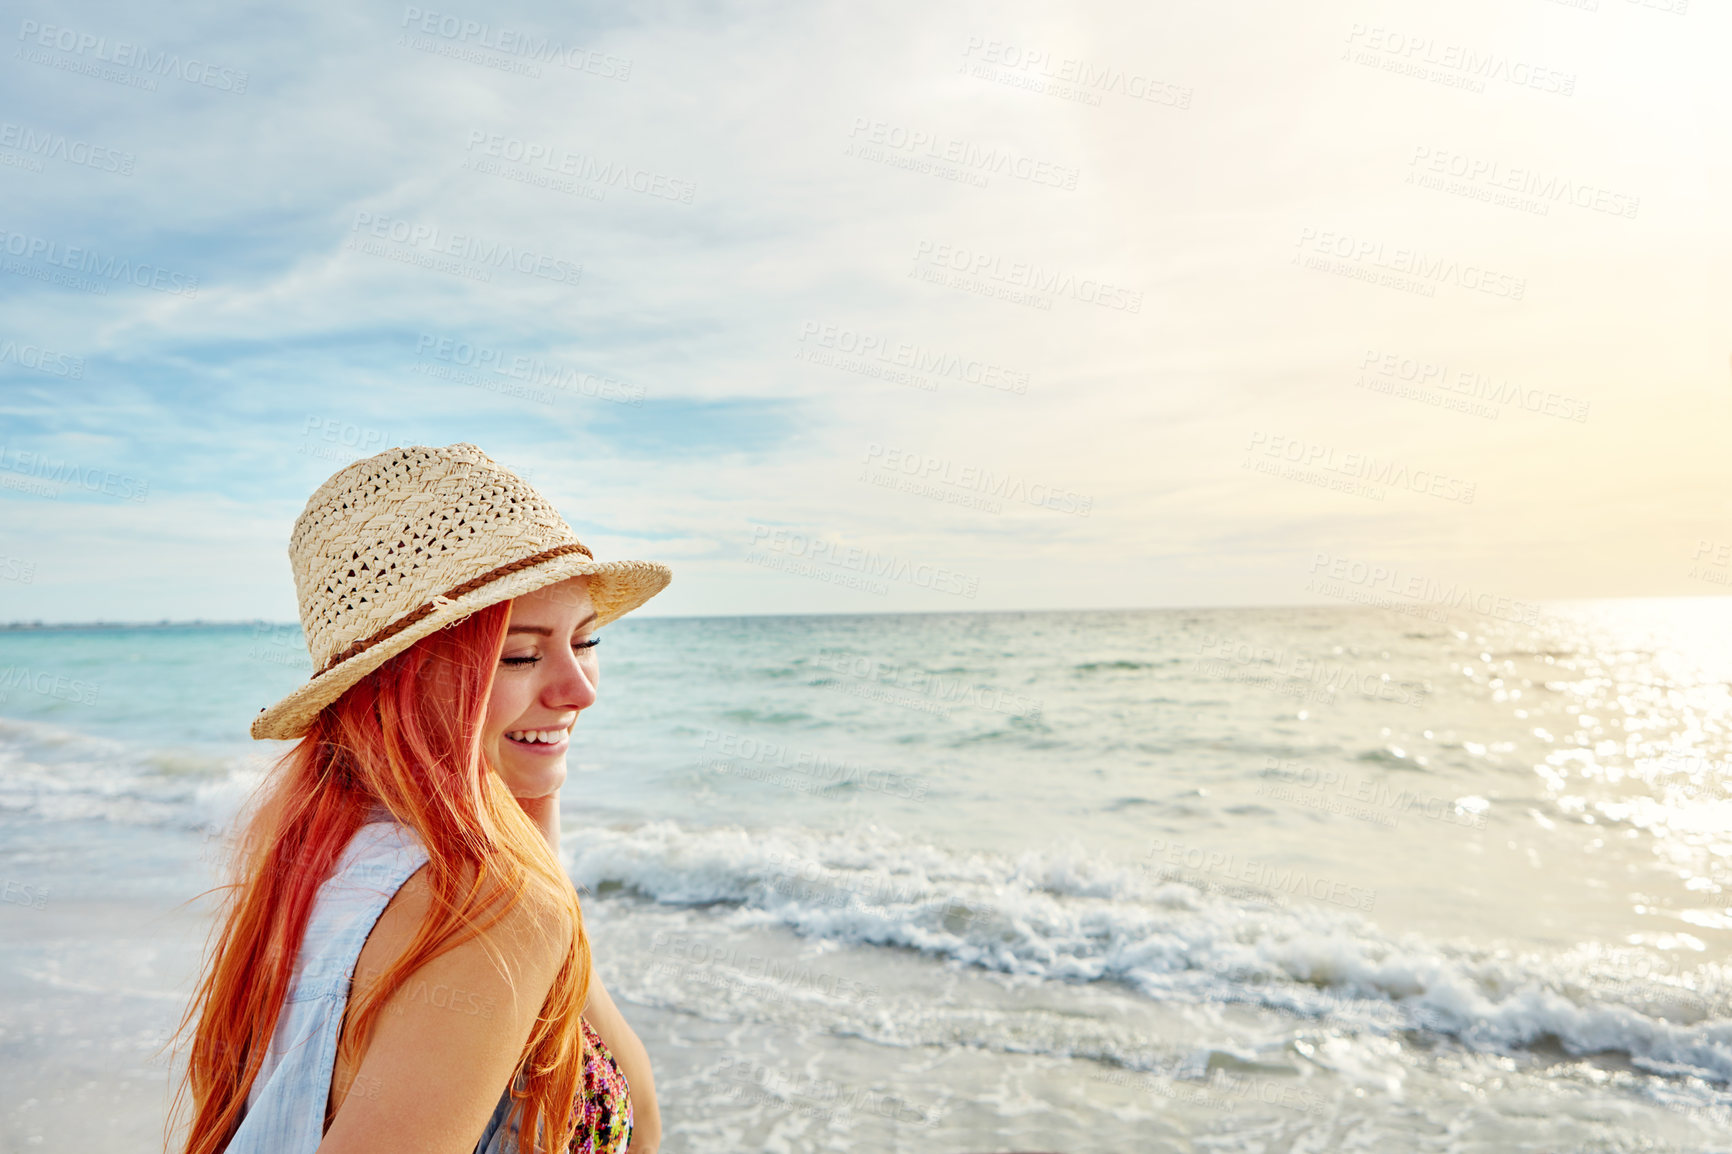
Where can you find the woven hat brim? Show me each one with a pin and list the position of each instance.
(621, 587)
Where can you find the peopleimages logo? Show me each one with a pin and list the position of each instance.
(429, 240)
(513, 42)
(533, 371)
(934, 146)
(1370, 254)
(866, 562)
(48, 684)
(975, 478)
(1470, 384)
(1341, 792)
(1022, 275)
(703, 957)
(1421, 588)
(1359, 466)
(125, 55)
(580, 166)
(57, 146)
(759, 760)
(92, 263)
(1328, 676)
(928, 362)
(1521, 180)
(1070, 72)
(41, 360)
(1417, 51)
(1262, 875)
(61, 472)
(21, 894)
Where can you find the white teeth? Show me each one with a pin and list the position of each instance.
(533, 736)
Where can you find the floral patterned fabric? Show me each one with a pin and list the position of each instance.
(604, 1108)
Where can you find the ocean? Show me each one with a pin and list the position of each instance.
(1299, 879)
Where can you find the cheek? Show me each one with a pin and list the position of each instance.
(505, 704)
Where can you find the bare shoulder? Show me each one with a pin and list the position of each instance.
(533, 928)
(446, 1042)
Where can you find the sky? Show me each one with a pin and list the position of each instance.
(945, 306)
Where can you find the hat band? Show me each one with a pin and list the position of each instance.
(451, 594)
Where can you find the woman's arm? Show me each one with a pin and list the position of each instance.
(433, 1076)
(628, 1050)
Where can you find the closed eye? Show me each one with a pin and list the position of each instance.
(586, 643)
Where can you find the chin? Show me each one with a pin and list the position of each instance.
(535, 780)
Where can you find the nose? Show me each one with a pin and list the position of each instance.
(568, 684)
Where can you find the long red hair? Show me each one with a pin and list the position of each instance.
(408, 737)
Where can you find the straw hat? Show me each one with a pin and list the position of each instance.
(398, 545)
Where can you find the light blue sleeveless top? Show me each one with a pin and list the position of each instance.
(286, 1105)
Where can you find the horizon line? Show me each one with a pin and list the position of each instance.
(170, 623)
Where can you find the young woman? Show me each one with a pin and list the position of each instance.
(402, 964)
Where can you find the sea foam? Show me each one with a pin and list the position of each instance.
(1074, 916)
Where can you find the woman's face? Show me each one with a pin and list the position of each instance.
(547, 675)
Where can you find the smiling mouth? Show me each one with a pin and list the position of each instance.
(539, 739)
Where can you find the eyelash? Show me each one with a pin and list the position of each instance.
(520, 661)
